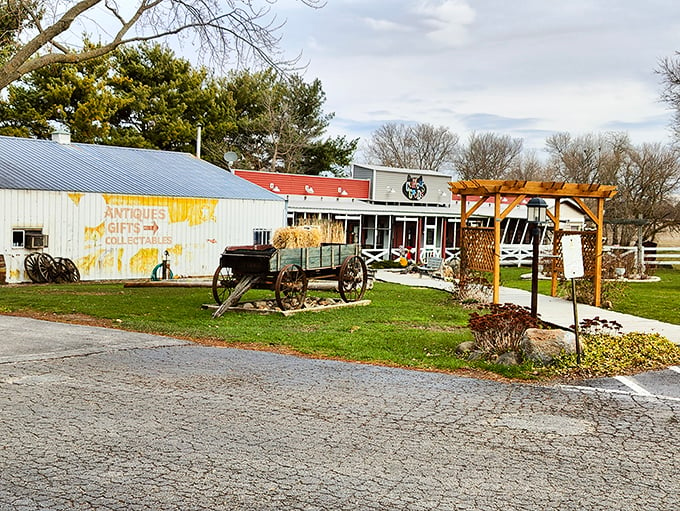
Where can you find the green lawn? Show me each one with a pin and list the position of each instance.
(403, 326)
(652, 300)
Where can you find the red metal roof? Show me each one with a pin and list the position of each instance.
(302, 184)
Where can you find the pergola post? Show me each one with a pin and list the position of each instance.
(556, 249)
(496, 247)
(597, 279)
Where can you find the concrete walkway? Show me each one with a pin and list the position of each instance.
(552, 310)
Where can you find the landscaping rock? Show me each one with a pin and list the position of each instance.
(476, 294)
(509, 358)
(465, 347)
(543, 346)
(476, 355)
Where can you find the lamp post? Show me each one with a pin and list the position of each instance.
(536, 212)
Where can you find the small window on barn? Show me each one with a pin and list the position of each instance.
(18, 238)
(29, 238)
(262, 236)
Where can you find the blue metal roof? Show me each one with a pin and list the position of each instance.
(30, 164)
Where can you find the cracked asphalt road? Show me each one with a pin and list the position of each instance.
(187, 427)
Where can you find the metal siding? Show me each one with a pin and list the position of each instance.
(31, 164)
(87, 229)
(396, 180)
(359, 172)
(382, 168)
(384, 183)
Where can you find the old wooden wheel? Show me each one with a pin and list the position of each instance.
(31, 267)
(47, 267)
(72, 269)
(64, 271)
(352, 279)
(59, 271)
(291, 287)
(223, 284)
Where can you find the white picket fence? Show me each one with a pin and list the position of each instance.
(521, 255)
(652, 255)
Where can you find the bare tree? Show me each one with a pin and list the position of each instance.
(488, 156)
(421, 146)
(588, 158)
(646, 177)
(647, 181)
(41, 30)
(669, 69)
(527, 167)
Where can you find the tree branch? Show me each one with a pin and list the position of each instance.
(224, 27)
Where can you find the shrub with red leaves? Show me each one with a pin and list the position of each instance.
(502, 328)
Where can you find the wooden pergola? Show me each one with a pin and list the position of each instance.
(483, 245)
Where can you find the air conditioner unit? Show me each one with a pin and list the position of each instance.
(36, 241)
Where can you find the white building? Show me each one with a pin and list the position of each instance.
(114, 211)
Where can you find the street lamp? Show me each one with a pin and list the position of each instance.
(536, 212)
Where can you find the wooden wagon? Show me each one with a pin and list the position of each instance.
(287, 271)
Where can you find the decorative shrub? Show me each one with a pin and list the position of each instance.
(599, 325)
(622, 257)
(608, 355)
(471, 287)
(611, 291)
(502, 328)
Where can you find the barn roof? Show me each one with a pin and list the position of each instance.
(31, 164)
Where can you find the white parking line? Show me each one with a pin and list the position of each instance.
(595, 390)
(628, 382)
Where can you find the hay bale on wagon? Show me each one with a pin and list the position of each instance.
(297, 237)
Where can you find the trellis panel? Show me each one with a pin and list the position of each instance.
(477, 248)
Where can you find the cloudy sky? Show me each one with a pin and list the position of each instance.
(525, 68)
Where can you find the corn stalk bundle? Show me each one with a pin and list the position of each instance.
(331, 231)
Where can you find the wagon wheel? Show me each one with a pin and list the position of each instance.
(73, 273)
(59, 271)
(291, 287)
(46, 266)
(31, 267)
(64, 271)
(352, 279)
(224, 282)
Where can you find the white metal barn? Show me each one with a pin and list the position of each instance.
(114, 211)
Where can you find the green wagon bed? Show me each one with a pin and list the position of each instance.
(287, 271)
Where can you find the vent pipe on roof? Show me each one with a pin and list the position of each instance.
(198, 140)
(61, 137)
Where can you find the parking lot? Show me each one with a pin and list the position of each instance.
(101, 419)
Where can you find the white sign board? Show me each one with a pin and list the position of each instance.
(572, 256)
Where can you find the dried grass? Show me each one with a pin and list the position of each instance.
(312, 234)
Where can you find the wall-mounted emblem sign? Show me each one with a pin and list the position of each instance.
(414, 188)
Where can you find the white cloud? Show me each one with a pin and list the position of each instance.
(526, 69)
(446, 21)
(382, 25)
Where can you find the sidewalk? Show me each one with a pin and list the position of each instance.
(557, 311)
